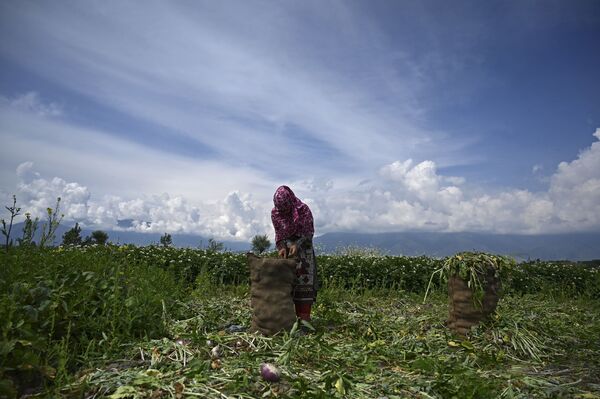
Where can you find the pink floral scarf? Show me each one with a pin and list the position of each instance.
(291, 217)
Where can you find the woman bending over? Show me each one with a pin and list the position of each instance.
(294, 230)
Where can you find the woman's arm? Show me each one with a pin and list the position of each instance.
(299, 243)
(281, 248)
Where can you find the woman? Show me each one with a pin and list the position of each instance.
(293, 223)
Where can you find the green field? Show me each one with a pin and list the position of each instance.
(127, 322)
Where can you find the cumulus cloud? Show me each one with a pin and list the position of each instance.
(575, 188)
(237, 216)
(37, 194)
(421, 181)
(420, 198)
(406, 196)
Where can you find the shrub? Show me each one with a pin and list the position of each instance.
(60, 305)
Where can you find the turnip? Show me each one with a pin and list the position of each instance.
(269, 372)
(215, 352)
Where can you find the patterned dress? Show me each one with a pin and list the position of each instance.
(293, 223)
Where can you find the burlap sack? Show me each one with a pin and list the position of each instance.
(464, 311)
(271, 284)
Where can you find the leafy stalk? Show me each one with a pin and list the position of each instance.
(49, 228)
(14, 211)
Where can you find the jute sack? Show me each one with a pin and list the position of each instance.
(464, 311)
(271, 284)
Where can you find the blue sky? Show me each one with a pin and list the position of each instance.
(383, 116)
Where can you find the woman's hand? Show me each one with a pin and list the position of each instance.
(282, 253)
(293, 250)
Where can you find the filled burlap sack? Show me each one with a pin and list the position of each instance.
(465, 312)
(271, 285)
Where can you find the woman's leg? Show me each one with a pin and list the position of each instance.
(303, 310)
(304, 287)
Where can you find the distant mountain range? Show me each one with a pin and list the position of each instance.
(574, 246)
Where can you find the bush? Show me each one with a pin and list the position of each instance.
(59, 306)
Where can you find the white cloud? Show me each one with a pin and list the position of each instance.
(37, 194)
(575, 188)
(32, 102)
(419, 198)
(409, 197)
(236, 217)
(396, 170)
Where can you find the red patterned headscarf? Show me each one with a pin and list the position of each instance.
(290, 216)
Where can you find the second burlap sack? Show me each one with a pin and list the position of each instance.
(465, 312)
(271, 285)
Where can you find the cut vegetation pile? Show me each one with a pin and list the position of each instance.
(473, 287)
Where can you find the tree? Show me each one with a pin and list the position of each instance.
(215, 246)
(260, 243)
(73, 236)
(14, 211)
(166, 240)
(99, 237)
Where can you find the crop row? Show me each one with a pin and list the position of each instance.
(355, 271)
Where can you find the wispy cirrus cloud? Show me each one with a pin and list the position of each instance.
(271, 86)
(32, 102)
(110, 164)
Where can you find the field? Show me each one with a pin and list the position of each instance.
(128, 322)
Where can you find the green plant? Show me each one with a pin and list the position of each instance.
(72, 236)
(471, 267)
(14, 211)
(49, 228)
(61, 306)
(260, 243)
(362, 273)
(166, 240)
(355, 250)
(99, 237)
(214, 245)
(29, 228)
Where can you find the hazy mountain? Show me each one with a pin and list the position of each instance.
(575, 246)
